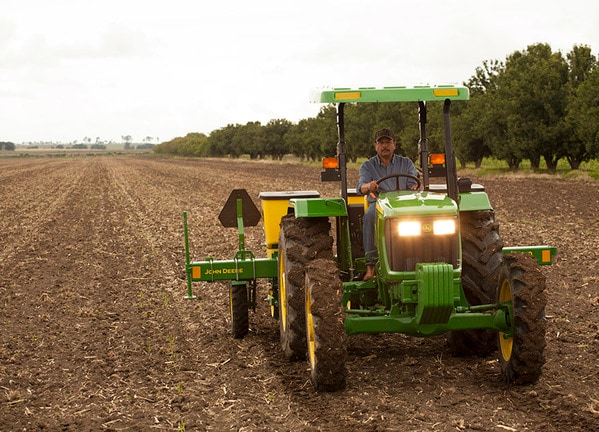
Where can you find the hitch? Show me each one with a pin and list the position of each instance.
(239, 211)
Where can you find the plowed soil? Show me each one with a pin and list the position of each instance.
(96, 335)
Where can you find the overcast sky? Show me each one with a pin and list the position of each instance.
(71, 69)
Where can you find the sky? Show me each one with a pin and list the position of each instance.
(73, 69)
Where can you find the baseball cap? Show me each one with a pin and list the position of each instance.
(382, 133)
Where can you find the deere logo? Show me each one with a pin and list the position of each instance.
(427, 228)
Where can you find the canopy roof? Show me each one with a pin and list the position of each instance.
(395, 94)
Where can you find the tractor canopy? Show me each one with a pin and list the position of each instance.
(394, 94)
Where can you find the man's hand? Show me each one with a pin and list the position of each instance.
(373, 186)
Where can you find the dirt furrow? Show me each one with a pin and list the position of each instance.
(95, 333)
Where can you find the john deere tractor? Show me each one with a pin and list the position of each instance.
(442, 266)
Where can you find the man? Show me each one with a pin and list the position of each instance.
(385, 162)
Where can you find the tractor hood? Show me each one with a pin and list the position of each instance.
(415, 204)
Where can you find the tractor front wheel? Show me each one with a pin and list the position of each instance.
(325, 328)
(301, 240)
(521, 350)
(481, 261)
(238, 308)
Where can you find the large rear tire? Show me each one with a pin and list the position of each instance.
(325, 328)
(481, 262)
(238, 308)
(522, 352)
(301, 240)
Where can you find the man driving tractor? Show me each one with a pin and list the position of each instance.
(384, 163)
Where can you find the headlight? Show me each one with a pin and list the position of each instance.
(409, 228)
(416, 228)
(444, 226)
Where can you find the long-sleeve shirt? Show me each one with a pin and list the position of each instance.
(373, 169)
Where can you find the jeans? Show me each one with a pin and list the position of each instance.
(368, 233)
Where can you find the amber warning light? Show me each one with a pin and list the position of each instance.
(330, 162)
(331, 169)
(437, 159)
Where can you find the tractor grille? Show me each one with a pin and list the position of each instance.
(403, 253)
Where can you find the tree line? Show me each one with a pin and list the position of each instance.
(536, 105)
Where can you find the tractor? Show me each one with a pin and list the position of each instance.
(442, 266)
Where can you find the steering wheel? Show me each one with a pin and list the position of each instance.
(397, 176)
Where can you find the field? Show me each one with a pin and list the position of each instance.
(95, 333)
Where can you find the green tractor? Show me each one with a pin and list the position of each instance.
(442, 266)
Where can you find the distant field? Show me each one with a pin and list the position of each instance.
(37, 152)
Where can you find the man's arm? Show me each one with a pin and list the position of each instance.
(366, 178)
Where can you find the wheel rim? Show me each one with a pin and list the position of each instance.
(282, 291)
(310, 330)
(506, 343)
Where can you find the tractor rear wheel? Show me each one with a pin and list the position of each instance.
(238, 308)
(481, 262)
(301, 240)
(325, 328)
(522, 351)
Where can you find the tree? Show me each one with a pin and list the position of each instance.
(126, 141)
(582, 64)
(474, 124)
(471, 142)
(274, 138)
(324, 131)
(303, 141)
(359, 129)
(192, 144)
(582, 116)
(533, 90)
(220, 142)
(249, 139)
